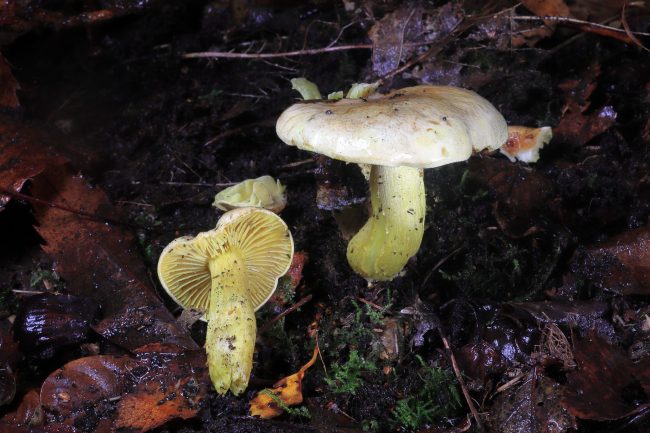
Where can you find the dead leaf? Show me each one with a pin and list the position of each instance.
(100, 261)
(23, 155)
(577, 126)
(621, 264)
(521, 193)
(29, 413)
(8, 86)
(297, 265)
(288, 390)
(104, 393)
(606, 384)
(531, 406)
(547, 8)
(176, 383)
(408, 24)
(9, 357)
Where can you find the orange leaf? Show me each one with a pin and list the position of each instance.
(546, 8)
(288, 390)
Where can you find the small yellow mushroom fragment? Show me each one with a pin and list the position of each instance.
(229, 272)
(264, 192)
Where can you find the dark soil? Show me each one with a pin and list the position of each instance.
(156, 132)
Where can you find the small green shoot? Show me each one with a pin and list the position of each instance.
(347, 377)
(45, 277)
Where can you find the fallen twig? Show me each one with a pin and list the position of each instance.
(459, 377)
(307, 52)
(294, 307)
(587, 26)
(629, 32)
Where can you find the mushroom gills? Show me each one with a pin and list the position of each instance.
(230, 339)
(393, 233)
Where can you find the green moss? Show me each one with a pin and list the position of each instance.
(347, 378)
(300, 411)
(437, 398)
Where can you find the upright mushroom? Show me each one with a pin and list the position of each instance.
(229, 272)
(399, 134)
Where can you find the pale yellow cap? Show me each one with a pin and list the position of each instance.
(261, 237)
(422, 126)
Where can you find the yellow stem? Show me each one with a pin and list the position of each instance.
(230, 339)
(393, 233)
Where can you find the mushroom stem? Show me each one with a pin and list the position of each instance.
(230, 339)
(393, 233)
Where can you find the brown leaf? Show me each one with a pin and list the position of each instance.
(23, 155)
(547, 8)
(28, 413)
(521, 193)
(8, 86)
(622, 263)
(84, 391)
(175, 384)
(391, 34)
(532, 406)
(606, 384)
(288, 390)
(576, 126)
(100, 261)
(104, 393)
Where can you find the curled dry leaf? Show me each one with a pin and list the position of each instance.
(287, 390)
(104, 393)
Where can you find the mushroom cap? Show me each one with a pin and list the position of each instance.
(263, 192)
(421, 126)
(259, 236)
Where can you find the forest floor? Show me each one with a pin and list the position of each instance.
(526, 308)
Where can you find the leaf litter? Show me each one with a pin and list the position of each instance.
(536, 273)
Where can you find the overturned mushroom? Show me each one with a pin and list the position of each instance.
(264, 192)
(229, 272)
(398, 134)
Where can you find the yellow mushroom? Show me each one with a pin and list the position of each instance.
(264, 192)
(229, 272)
(398, 134)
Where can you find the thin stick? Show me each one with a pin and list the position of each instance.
(628, 31)
(459, 376)
(308, 52)
(62, 207)
(574, 21)
(298, 163)
(589, 27)
(370, 304)
(294, 307)
(202, 184)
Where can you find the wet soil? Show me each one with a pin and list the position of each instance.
(156, 132)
